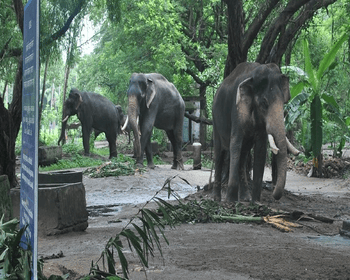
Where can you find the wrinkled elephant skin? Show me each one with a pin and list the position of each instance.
(247, 108)
(94, 112)
(154, 101)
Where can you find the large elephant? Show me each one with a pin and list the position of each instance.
(247, 113)
(154, 101)
(93, 111)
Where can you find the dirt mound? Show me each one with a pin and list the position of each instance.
(334, 168)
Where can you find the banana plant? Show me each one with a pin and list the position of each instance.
(319, 101)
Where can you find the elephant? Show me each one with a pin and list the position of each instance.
(154, 101)
(247, 113)
(121, 118)
(94, 112)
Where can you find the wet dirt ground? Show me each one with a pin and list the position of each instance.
(212, 250)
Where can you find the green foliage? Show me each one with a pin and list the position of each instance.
(76, 160)
(207, 210)
(16, 260)
(319, 101)
(119, 166)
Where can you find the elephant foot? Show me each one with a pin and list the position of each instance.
(244, 196)
(178, 165)
(217, 192)
(139, 165)
(151, 165)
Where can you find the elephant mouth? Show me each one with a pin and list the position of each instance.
(126, 124)
(65, 119)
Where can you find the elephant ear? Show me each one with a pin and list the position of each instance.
(78, 100)
(244, 89)
(151, 92)
(285, 88)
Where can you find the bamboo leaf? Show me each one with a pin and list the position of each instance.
(144, 236)
(110, 261)
(123, 261)
(329, 57)
(136, 243)
(316, 125)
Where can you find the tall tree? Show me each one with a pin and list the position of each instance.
(11, 118)
(279, 21)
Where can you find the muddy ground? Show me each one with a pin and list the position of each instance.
(213, 250)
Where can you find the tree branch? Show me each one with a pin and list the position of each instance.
(65, 27)
(277, 27)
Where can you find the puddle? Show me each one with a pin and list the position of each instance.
(103, 210)
(108, 201)
(334, 241)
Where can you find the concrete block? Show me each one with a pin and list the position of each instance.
(61, 208)
(61, 205)
(66, 176)
(49, 155)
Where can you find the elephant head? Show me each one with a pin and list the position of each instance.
(141, 93)
(261, 96)
(71, 106)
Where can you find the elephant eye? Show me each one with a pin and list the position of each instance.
(264, 103)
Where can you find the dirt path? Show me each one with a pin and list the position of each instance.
(214, 251)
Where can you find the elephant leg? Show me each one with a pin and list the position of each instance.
(146, 146)
(112, 144)
(149, 154)
(176, 141)
(234, 176)
(244, 194)
(219, 162)
(86, 139)
(259, 166)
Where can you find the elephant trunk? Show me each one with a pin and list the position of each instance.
(133, 114)
(63, 130)
(275, 127)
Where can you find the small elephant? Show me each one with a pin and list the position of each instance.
(94, 112)
(248, 112)
(154, 101)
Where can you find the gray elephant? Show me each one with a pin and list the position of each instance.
(120, 123)
(94, 112)
(154, 101)
(247, 113)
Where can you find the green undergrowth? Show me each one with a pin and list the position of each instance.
(207, 210)
(119, 166)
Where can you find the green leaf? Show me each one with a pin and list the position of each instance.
(330, 100)
(329, 57)
(297, 89)
(316, 125)
(123, 261)
(308, 66)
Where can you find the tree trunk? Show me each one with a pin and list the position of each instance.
(4, 91)
(203, 114)
(43, 93)
(10, 122)
(235, 36)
